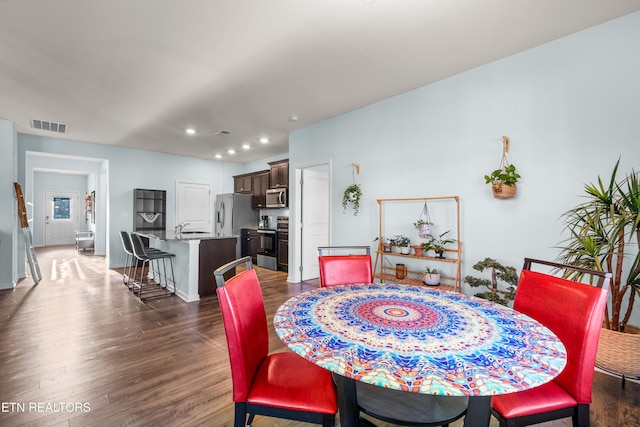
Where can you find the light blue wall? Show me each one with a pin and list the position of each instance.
(8, 206)
(570, 107)
(129, 169)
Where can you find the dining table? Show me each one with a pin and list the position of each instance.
(419, 339)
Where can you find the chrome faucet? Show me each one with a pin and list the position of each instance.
(180, 227)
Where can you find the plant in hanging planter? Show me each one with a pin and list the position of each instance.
(424, 227)
(352, 195)
(498, 272)
(605, 236)
(503, 181)
(438, 243)
(431, 276)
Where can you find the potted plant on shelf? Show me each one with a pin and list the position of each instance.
(352, 195)
(400, 243)
(498, 272)
(438, 243)
(605, 236)
(417, 250)
(503, 181)
(431, 276)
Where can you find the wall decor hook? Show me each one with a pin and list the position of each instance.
(505, 144)
(357, 166)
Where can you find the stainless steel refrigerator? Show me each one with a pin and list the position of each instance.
(233, 212)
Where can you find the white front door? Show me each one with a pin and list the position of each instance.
(193, 206)
(315, 219)
(62, 217)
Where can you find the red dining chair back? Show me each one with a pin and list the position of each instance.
(282, 385)
(574, 312)
(342, 269)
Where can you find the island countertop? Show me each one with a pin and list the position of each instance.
(171, 236)
(195, 258)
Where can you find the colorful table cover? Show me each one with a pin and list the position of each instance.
(420, 339)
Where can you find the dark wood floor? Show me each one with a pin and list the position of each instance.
(80, 350)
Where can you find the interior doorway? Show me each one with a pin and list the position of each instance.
(314, 218)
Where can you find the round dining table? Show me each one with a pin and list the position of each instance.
(419, 340)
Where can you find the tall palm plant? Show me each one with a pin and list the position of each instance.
(602, 233)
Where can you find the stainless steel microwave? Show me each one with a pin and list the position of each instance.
(277, 198)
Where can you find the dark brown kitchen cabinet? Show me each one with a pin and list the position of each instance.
(283, 251)
(259, 185)
(242, 184)
(250, 243)
(279, 174)
(214, 253)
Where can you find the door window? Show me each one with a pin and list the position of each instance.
(61, 208)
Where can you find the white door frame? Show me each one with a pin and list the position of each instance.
(295, 226)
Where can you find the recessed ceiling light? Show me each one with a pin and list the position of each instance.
(246, 146)
(264, 140)
(231, 151)
(293, 118)
(218, 156)
(191, 131)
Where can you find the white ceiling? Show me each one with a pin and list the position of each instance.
(136, 73)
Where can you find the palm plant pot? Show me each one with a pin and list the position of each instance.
(431, 279)
(619, 352)
(503, 191)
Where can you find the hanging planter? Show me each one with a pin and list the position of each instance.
(424, 224)
(503, 180)
(352, 196)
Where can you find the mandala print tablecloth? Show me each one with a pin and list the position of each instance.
(420, 339)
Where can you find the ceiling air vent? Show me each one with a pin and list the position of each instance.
(223, 132)
(50, 126)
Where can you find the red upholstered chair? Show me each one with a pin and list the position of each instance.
(282, 385)
(346, 268)
(574, 312)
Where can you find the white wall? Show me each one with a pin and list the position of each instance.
(570, 107)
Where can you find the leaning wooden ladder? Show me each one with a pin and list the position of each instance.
(24, 223)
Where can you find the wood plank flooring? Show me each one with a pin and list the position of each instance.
(79, 349)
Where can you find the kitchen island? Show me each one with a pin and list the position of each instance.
(197, 255)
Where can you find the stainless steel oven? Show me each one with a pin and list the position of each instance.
(268, 252)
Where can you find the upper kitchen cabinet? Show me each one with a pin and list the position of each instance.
(242, 184)
(279, 174)
(259, 185)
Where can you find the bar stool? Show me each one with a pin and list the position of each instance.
(128, 263)
(146, 258)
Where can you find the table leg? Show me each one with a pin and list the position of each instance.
(347, 401)
(478, 412)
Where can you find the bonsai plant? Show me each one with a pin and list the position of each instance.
(431, 276)
(352, 195)
(603, 231)
(438, 243)
(503, 181)
(498, 272)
